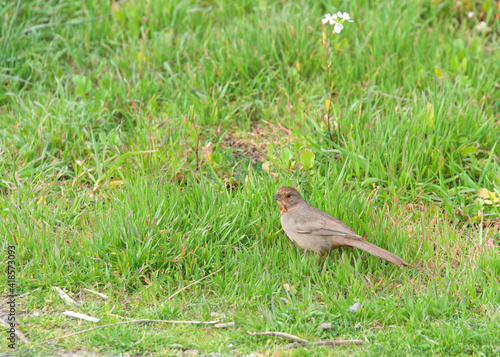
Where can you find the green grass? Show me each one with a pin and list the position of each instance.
(103, 109)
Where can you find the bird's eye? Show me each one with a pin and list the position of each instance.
(288, 196)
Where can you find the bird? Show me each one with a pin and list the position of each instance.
(314, 230)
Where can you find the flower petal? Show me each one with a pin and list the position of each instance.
(339, 14)
(346, 16)
(338, 28)
(327, 18)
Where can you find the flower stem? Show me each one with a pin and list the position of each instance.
(330, 87)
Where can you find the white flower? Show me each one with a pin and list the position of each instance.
(346, 17)
(483, 27)
(329, 18)
(338, 28)
(470, 15)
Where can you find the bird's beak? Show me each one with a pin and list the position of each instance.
(276, 196)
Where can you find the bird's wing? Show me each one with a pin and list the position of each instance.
(324, 227)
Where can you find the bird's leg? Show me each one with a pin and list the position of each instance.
(320, 257)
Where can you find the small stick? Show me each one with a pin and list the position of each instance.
(428, 339)
(280, 334)
(95, 292)
(80, 316)
(26, 294)
(195, 282)
(302, 342)
(63, 295)
(110, 313)
(16, 331)
(129, 322)
(329, 343)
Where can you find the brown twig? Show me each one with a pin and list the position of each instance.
(279, 334)
(130, 322)
(195, 282)
(329, 343)
(16, 331)
(104, 296)
(302, 342)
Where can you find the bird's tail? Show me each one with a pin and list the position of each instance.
(377, 251)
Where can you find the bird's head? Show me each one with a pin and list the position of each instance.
(287, 198)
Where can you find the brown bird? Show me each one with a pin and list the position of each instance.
(315, 230)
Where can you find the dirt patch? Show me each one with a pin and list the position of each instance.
(80, 354)
(250, 146)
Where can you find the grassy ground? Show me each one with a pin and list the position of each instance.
(108, 180)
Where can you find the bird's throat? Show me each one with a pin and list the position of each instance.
(283, 207)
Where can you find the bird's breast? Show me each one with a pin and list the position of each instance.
(305, 241)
